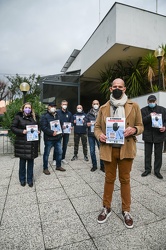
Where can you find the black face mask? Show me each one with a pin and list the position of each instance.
(117, 93)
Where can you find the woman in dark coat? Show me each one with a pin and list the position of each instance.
(26, 150)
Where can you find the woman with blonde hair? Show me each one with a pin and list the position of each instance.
(24, 148)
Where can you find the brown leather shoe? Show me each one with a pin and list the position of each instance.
(60, 169)
(128, 221)
(46, 171)
(103, 216)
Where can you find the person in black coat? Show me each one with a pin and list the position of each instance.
(80, 132)
(26, 148)
(51, 126)
(90, 120)
(66, 118)
(153, 135)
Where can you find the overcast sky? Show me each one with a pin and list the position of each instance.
(38, 36)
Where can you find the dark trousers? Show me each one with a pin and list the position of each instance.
(65, 140)
(164, 150)
(22, 170)
(158, 147)
(92, 143)
(84, 143)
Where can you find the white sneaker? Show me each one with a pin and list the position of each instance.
(54, 163)
(64, 161)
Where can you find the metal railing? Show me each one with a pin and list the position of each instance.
(6, 147)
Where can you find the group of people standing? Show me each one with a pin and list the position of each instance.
(56, 126)
(113, 155)
(80, 121)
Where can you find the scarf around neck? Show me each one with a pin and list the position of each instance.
(94, 112)
(118, 106)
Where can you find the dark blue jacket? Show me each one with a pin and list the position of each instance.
(65, 116)
(151, 134)
(77, 128)
(91, 116)
(45, 126)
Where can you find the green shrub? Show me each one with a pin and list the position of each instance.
(14, 107)
(1, 117)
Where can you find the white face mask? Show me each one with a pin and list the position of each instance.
(64, 106)
(96, 106)
(79, 110)
(52, 110)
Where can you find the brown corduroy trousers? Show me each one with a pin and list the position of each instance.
(124, 168)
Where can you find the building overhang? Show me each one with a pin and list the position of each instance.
(126, 33)
(120, 52)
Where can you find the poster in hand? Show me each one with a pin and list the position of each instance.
(56, 126)
(32, 133)
(156, 120)
(92, 126)
(79, 120)
(67, 129)
(115, 127)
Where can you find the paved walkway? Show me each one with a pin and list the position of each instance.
(60, 211)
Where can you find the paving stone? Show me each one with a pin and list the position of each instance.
(71, 180)
(87, 203)
(21, 199)
(64, 231)
(78, 190)
(3, 190)
(24, 237)
(55, 210)
(84, 245)
(51, 194)
(15, 217)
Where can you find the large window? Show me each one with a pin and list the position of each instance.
(61, 87)
(59, 92)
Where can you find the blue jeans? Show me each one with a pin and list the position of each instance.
(22, 170)
(65, 140)
(92, 142)
(58, 152)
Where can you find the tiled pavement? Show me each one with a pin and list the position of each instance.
(60, 211)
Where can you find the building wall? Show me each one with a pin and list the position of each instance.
(142, 100)
(122, 25)
(139, 28)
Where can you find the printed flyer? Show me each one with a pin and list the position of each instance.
(79, 120)
(32, 133)
(157, 120)
(115, 127)
(56, 126)
(67, 128)
(92, 126)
